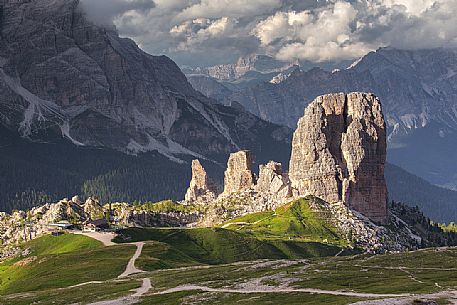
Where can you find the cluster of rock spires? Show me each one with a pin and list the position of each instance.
(338, 155)
(242, 187)
(338, 158)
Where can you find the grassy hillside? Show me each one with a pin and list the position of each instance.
(171, 248)
(292, 221)
(292, 231)
(62, 261)
(70, 259)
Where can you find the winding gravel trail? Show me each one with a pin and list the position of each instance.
(131, 299)
(106, 238)
(279, 290)
(448, 295)
(131, 269)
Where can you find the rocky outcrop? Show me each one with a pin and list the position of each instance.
(339, 152)
(239, 176)
(93, 209)
(168, 219)
(76, 199)
(201, 188)
(365, 234)
(23, 226)
(273, 181)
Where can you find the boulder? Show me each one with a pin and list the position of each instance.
(339, 153)
(201, 188)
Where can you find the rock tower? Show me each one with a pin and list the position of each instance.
(201, 188)
(339, 153)
(239, 176)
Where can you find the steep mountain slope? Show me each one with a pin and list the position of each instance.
(418, 92)
(62, 75)
(437, 203)
(74, 97)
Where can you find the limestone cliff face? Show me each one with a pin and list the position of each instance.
(239, 176)
(339, 152)
(201, 189)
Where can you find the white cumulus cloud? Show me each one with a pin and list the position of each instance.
(205, 32)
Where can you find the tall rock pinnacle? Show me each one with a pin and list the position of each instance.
(339, 152)
(201, 189)
(239, 176)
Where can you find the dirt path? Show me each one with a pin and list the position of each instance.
(131, 299)
(450, 295)
(279, 290)
(83, 284)
(106, 239)
(401, 268)
(131, 269)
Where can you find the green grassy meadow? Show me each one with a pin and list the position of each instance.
(172, 248)
(61, 261)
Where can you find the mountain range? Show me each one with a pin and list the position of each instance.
(417, 88)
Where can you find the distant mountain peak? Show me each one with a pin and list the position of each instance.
(250, 63)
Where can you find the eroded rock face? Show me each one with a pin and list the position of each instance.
(273, 181)
(239, 176)
(339, 152)
(201, 188)
(93, 209)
